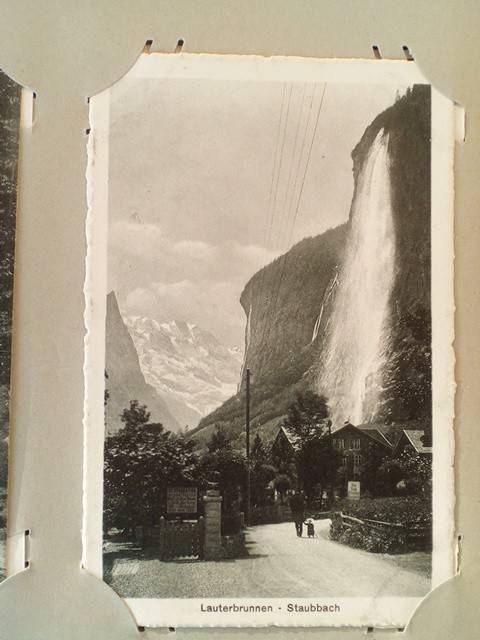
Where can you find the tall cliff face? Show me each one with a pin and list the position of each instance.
(125, 380)
(282, 304)
(289, 304)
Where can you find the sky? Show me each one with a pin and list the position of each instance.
(209, 180)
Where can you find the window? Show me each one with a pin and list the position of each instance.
(356, 443)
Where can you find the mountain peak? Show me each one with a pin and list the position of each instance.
(126, 381)
(186, 364)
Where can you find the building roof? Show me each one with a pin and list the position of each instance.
(370, 430)
(291, 437)
(376, 434)
(387, 435)
(414, 436)
(392, 432)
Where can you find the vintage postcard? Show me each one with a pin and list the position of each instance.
(10, 93)
(269, 363)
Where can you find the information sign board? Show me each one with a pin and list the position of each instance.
(181, 499)
(353, 490)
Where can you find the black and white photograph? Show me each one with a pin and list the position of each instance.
(262, 402)
(10, 93)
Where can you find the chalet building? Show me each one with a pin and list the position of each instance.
(285, 445)
(353, 442)
(356, 443)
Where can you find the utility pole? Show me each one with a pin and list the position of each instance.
(247, 443)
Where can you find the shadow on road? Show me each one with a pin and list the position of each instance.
(118, 551)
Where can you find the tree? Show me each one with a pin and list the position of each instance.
(316, 459)
(224, 466)
(135, 415)
(259, 452)
(139, 462)
(106, 392)
(261, 471)
(417, 471)
(373, 457)
(307, 416)
(390, 473)
(317, 463)
(408, 375)
(219, 441)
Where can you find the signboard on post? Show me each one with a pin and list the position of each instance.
(353, 490)
(181, 499)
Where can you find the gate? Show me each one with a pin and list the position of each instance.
(181, 538)
(174, 538)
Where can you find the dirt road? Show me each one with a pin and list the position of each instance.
(278, 565)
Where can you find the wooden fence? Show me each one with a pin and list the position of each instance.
(174, 538)
(413, 534)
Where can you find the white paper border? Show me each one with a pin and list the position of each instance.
(378, 612)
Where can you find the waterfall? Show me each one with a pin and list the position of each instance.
(358, 330)
(326, 298)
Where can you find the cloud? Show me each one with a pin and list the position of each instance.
(213, 306)
(255, 255)
(141, 301)
(195, 250)
(135, 238)
(189, 280)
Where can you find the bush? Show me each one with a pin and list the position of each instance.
(373, 540)
(405, 510)
(398, 509)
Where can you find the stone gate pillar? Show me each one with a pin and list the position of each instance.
(213, 517)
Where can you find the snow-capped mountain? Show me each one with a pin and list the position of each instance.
(124, 379)
(187, 365)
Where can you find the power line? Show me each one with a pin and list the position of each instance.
(285, 256)
(300, 157)
(281, 157)
(277, 146)
(274, 199)
(267, 306)
(289, 182)
(308, 160)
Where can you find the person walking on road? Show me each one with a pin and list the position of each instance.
(297, 507)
